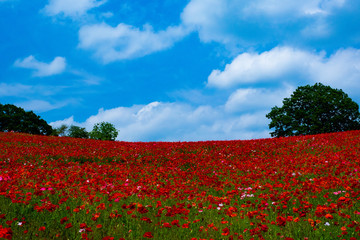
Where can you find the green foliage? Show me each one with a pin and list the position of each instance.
(104, 131)
(13, 118)
(78, 132)
(313, 110)
(60, 131)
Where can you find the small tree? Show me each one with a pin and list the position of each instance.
(13, 118)
(78, 132)
(104, 131)
(314, 109)
(60, 131)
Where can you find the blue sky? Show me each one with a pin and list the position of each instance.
(173, 70)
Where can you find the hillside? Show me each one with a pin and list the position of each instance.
(290, 188)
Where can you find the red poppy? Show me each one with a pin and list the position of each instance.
(5, 232)
(225, 231)
(69, 225)
(64, 219)
(280, 221)
(264, 227)
(329, 216)
(185, 225)
(148, 235)
(167, 225)
(142, 210)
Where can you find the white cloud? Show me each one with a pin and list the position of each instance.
(272, 65)
(294, 8)
(207, 17)
(43, 106)
(21, 90)
(42, 69)
(70, 7)
(85, 77)
(234, 22)
(247, 99)
(125, 41)
(317, 29)
(7, 90)
(68, 122)
(158, 121)
(285, 64)
(341, 70)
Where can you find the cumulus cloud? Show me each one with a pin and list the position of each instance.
(234, 22)
(208, 18)
(268, 66)
(247, 99)
(70, 7)
(42, 69)
(68, 122)
(125, 41)
(341, 70)
(159, 121)
(286, 64)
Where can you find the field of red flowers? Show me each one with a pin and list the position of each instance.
(288, 188)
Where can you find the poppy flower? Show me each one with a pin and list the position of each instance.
(64, 219)
(225, 231)
(185, 225)
(69, 225)
(148, 235)
(5, 232)
(329, 216)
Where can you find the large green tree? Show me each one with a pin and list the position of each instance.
(13, 118)
(313, 110)
(104, 131)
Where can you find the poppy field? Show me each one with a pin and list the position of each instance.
(305, 187)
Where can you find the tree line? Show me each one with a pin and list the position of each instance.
(16, 119)
(309, 110)
(100, 131)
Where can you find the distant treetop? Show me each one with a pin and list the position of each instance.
(104, 131)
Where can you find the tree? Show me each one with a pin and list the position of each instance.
(313, 110)
(60, 131)
(104, 131)
(78, 132)
(13, 118)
